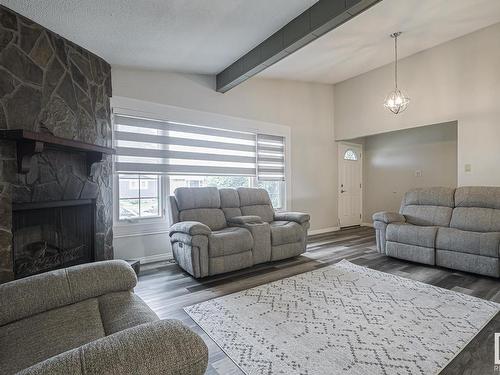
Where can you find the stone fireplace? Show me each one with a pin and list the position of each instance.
(55, 202)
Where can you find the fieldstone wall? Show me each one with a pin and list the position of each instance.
(49, 84)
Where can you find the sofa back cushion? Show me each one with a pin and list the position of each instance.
(34, 339)
(256, 202)
(433, 196)
(212, 217)
(200, 204)
(476, 219)
(230, 203)
(202, 197)
(477, 209)
(427, 215)
(35, 294)
(428, 206)
(478, 196)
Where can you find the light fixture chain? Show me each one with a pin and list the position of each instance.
(396, 101)
(396, 60)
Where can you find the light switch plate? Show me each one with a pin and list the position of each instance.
(468, 168)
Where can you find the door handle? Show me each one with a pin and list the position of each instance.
(343, 191)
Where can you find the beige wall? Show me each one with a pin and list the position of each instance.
(307, 108)
(458, 80)
(391, 162)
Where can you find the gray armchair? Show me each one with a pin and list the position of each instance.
(217, 231)
(87, 320)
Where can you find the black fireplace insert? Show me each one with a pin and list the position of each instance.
(51, 235)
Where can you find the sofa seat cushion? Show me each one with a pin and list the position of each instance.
(36, 338)
(229, 241)
(283, 232)
(485, 244)
(412, 235)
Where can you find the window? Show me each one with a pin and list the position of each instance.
(350, 155)
(276, 192)
(139, 196)
(154, 157)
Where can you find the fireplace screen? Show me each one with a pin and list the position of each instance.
(52, 235)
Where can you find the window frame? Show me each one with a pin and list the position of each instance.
(140, 226)
(160, 198)
(352, 152)
(134, 107)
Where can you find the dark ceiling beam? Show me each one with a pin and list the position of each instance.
(316, 21)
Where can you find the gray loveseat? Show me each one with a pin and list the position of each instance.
(87, 320)
(453, 228)
(216, 231)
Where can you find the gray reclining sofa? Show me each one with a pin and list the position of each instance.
(216, 231)
(453, 228)
(87, 320)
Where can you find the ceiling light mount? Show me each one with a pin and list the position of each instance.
(396, 101)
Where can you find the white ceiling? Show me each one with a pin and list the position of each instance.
(205, 36)
(363, 43)
(199, 36)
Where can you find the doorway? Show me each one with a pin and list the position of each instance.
(350, 192)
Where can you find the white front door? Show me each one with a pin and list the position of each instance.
(349, 189)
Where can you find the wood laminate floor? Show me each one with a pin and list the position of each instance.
(167, 289)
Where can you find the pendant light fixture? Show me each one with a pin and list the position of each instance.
(396, 101)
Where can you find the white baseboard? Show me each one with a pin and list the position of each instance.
(367, 225)
(321, 231)
(154, 258)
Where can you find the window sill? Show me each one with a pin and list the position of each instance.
(140, 227)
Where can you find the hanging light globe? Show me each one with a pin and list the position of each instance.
(396, 101)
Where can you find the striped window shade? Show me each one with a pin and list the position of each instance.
(162, 147)
(270, 158)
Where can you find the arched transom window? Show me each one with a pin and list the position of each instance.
(350, 155)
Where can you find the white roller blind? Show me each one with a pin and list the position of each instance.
(154, 146)
(270, 158)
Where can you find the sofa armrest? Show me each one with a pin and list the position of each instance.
(389, 217)
(242, 220)
(193, 228)
(161, 347)
(35, 294)
(298, 217)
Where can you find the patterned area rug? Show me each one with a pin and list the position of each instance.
(343, 319)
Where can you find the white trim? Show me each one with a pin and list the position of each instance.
(367, 225)
(321, 231)
(144, 226)
(128, 230)
(153, 258)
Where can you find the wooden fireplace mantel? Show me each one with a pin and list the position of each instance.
(30, 143)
